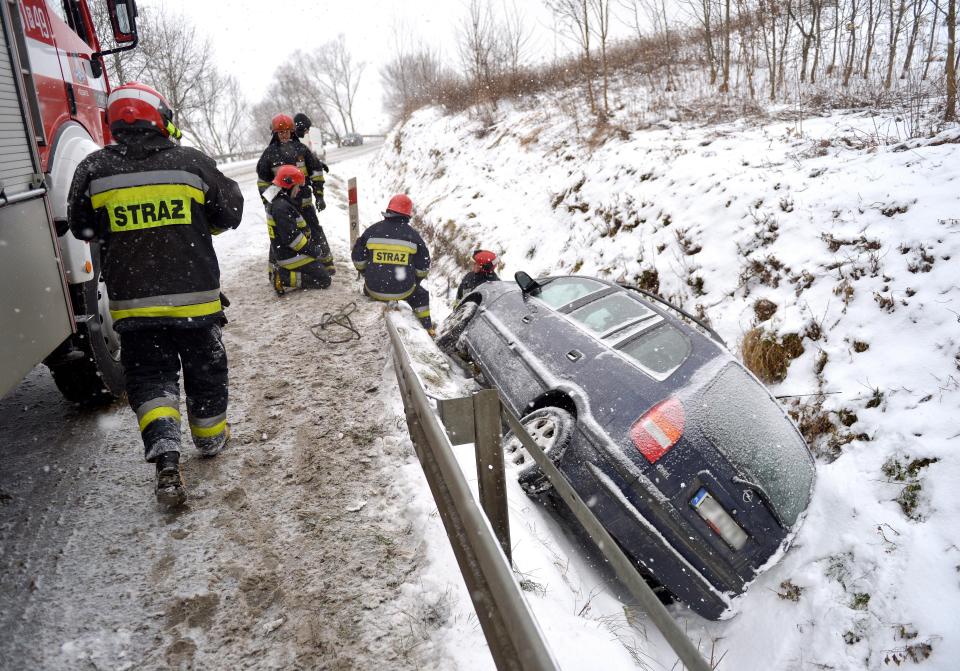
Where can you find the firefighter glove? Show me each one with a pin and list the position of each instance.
(321, 205)
(224, 301)
(324, 167)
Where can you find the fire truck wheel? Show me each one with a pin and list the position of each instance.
(92, 375)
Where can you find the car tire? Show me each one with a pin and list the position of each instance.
(448, 340)
(552, 430)
(95, 375)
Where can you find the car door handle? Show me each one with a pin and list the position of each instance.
(574, 355)
(526, 319)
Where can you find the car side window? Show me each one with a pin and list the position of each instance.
(563, 290)
(611, 313)
(661, 351)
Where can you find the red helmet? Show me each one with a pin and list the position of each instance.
(288, 176)
(281, 122)
(484, 261)
(140, 106)
(400, 205)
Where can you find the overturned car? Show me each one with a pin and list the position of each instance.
(687, 460)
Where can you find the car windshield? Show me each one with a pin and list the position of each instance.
(558, 292)
(752, 432)
(661, 351)
(611, 313)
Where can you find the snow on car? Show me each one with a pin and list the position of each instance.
(684, 456)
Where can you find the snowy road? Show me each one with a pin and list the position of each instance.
(290, 553)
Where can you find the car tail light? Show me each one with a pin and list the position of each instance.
(658, 430)
(718, 519)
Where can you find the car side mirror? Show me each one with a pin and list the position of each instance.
(527, 284)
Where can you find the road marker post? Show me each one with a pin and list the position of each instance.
(353, 210)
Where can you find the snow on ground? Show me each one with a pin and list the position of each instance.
(855, 241)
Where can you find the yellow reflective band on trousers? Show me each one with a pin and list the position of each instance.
(157, 413)
(208, 431)
(135, 208)
(195, 310)
(420, 314)
(295, 262)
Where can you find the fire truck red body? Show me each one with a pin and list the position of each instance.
(53, 94)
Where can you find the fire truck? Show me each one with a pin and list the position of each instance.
(53, 94)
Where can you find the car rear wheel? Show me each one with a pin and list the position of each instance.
(552, 430)
(448, 340)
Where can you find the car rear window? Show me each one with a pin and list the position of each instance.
(661, 351)
(610, 313)
(748, 428)
(557, 293)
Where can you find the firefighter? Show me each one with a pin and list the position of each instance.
(153, 207)
(315, 168)
(287, 149)
(394, 260)
(484, 270)
(296, 252)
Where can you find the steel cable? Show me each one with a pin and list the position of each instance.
(340, 318)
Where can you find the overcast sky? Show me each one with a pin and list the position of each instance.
(252, 37)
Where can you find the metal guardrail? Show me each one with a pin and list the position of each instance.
(512, 633)
(477, 420)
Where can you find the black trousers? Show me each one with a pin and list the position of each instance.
(311, 276)
(316, 233)
(152, 360)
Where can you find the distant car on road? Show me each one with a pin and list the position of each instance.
(351, 140)
(687, 460)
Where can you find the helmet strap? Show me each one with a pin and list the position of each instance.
(175, 133)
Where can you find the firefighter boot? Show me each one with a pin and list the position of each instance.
(170, 489)
(277, 281)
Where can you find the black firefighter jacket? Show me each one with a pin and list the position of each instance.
(293, 246)
(294, 153)
(153, 206)
(392, 257)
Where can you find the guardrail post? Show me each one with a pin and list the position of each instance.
(490, 473)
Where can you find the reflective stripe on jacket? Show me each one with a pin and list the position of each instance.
(153, 207)
(290, 237)
(392, 257)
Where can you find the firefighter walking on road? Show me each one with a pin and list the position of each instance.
(394, 260)
(153, 207)
(296, 253)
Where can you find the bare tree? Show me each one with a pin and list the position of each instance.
(514, 37)
(335, 76)
(411, 79)
(895, 16)
(933, 38)
(851, 27)
(806, 17)
(600, 9)
(477, 44)
(950, 113)
(176, 58)
(874, 12)
(702, 12)
(725, 84)
(221, 122)
(574, 15)
(917, 9)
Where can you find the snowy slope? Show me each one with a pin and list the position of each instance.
(856, 245)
